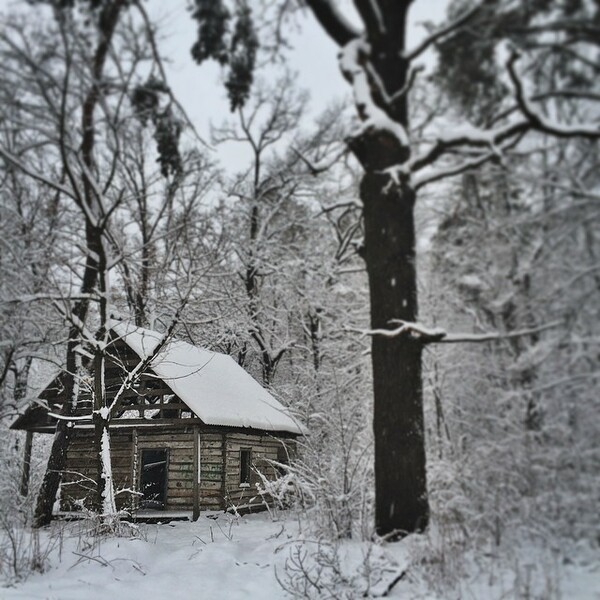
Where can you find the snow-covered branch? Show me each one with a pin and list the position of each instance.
(434, 175)
(352, 57)
(405, 328)
(322, 167)
(427, 335)
(469, 137)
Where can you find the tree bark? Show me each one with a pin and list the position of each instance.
(24, 489)
(64, 431)
(58, 453)
(400, 481)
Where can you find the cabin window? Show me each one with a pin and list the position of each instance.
(245, 464)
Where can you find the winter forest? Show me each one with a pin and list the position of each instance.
(378, 219)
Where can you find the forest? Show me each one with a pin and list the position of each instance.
(403, 252)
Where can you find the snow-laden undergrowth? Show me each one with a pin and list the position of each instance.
(255, 556)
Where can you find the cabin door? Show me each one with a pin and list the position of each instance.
(153, 478)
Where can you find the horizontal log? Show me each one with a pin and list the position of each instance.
(209, 485)
(181, 459)
(178, 475)
(179, 502)
(244, 438)
(173, 493)
(181, 467)
(211, 455)
(181, 484)
(211, 446)
(174, 447)
(92, 455)
(145, 436)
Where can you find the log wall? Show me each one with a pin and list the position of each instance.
(264, 448)
(209, 464)
(78, 485)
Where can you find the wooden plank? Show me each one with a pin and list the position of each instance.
(210, 485)
(196, 473)
(211, 445)
(181, 484)
(174, 438)
(187, 501)
(179, 494)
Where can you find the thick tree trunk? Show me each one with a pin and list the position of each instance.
(62, 437)
(107, 22)
(400, 481)
(64, 431)
(24, 488)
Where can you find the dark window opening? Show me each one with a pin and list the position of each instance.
(245, 465)
(153, 480)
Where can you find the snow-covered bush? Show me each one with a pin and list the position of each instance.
(332, 475)
(22, 550)
(339, 570)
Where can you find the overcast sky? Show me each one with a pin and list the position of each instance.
(313, 56)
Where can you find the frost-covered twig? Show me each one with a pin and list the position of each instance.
(415, 330)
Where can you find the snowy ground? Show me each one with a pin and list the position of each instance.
(238, 559)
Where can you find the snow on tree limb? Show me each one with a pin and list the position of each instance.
(469, 136)
(427, 335)
(438, 174)
(374, 118)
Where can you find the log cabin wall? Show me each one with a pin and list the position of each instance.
(211, 471)
(206, 460)
(78, 485)
(263, 448)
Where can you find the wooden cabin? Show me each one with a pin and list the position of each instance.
(191, 433)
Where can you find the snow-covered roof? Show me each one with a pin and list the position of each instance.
(212, 384)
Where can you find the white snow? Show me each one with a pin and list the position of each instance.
(212, 384)
(212, 559)
(374, 117)
(240, 558)
(108, 493)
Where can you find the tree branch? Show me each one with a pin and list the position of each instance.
(441, 33)
(334, 23)
(539, 122)
(425, 335)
